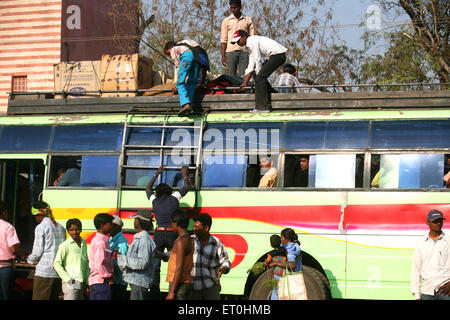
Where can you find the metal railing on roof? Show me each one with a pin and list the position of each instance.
(248, 89)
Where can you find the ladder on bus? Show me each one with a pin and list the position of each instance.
(162, 148)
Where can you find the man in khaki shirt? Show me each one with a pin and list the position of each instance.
(269, 180)
(233, 55)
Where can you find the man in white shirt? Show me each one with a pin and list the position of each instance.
(430, 276)
(259, 47)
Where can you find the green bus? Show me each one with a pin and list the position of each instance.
(373, 174)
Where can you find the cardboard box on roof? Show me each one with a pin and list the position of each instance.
(125, 72)
(77, 77)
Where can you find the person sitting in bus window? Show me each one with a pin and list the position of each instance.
(269, 179)
(375, 171)
(164, 203)
(447, 164)
(447, 171)
(302, 172)
(59, 175)
(70, 178)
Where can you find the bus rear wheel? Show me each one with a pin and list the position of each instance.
(315, 282)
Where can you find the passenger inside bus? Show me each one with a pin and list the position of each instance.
(297, 171)
(447, 171)
(375, 171)
(269, 179)
(70, 177)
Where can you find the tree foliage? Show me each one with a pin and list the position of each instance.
(416, 52)
(430, 21)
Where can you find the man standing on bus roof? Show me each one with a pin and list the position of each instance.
(164, 203)
(430, 276)
(234, 56)
(188, 73)
(260, 47)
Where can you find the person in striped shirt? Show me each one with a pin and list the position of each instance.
(287, 81)
(210, 261)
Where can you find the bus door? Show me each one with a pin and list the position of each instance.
(22, 182)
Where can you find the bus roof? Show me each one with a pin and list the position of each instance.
(429, 104)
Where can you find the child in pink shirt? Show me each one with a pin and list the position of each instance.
(100, 259)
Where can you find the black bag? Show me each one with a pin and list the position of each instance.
(200, 55)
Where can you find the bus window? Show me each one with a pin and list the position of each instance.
(296, 172)
(324, 171)
(243, 136)
(25, 138)
(172, 137)
(410, 134)
(447, 171)
(410, 171)
(172, 177)
(227, 171)
(84, 171)
(326, 135)
(87, 137)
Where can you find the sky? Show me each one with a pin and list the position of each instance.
(350, 13)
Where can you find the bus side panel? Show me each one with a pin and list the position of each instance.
(246, 224)
(382, 230)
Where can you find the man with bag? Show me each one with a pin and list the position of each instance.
(189, 58)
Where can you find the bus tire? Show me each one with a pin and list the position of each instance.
(315, 282)
(259, 290)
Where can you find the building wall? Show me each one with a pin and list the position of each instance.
(30, 44)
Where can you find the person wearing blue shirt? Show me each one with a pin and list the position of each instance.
(138, 265)
(289, 240)
(118, 243)
(70, 178)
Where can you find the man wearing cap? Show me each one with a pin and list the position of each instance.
(48, 235)
(430, 276)
(118, 243)
(234, 56)
(260, 47)
(138, 263)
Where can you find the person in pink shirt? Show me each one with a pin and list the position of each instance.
(100, 259)
(9, 250)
